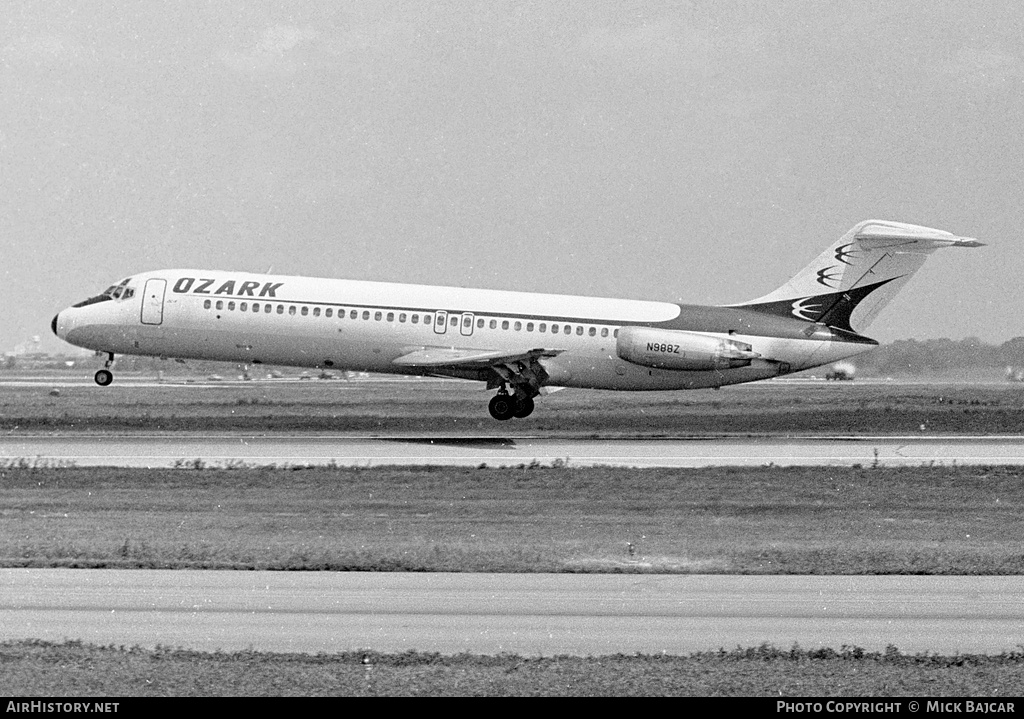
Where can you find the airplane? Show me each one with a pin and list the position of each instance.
(521, 344)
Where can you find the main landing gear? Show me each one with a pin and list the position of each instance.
(506, 406)
(104, 376)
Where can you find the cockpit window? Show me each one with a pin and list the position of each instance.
(93, 300)
(120, 291)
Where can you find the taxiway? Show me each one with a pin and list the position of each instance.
(529, 614)
(172, 449)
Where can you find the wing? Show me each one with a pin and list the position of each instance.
(447, 357)
(439, 357)
(522, 370)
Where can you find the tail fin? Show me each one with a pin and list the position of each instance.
(850, 282)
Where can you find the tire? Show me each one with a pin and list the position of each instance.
(524, 408)
(104, 377)
(502, 407)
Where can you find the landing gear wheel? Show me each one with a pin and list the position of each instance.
(104, 377)
(502, 407)
(524, 407)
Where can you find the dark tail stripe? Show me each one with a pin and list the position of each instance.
(832, 310)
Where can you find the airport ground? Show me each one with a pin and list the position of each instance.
(80, 670)
(866, 520)
(752, 520)
(69, 402)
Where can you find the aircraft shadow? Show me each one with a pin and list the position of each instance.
(495, 442)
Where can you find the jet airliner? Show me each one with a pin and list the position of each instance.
(520, 344)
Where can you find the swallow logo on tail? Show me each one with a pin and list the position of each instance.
(807, 312)
(826, 277)
(843, 252)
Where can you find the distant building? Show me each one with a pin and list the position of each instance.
(841, 371)
(28, 347)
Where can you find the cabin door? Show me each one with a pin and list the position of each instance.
(153, 302)
(440, 322)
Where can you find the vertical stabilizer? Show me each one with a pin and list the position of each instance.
(850, 282)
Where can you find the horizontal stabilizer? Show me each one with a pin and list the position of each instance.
(913, 238)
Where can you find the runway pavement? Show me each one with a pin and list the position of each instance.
(531, 614)
(167, 450)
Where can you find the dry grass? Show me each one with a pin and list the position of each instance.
(801, 520)
(432, 408)
(77, 670)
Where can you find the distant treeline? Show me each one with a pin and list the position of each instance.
(928, 357)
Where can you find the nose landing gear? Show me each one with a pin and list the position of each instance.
(104, 376)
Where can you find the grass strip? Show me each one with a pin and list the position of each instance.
(37, 668)
(762, 520)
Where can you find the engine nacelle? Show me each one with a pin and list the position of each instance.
(678, 350)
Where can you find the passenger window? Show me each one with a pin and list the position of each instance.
(504, 324)
(280, 309)
(291, 309)
(480, 323)
(377, 316)
(266, 308)
(543, 327)
(453, 320)
(231, 305)
(220, 304)
(401, 317)
(529, 327)
(554, 329)
(494, 324)
(604, 331)
(305, 311)
(366, 314)
(415, 319)
(329, 312)
(579, 330)
(427, 319)
(517, 326)
(207, 304)
(592, 331)
(244, 307)
(567, 330)
(615, 333)
(316, 311)
(391, 316)
(467, 321)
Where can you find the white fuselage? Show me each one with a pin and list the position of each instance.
(366, 326)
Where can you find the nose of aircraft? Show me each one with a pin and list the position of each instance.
(53, 325)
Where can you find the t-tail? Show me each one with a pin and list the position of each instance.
(849, 283)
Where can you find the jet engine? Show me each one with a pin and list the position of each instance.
(678, 350)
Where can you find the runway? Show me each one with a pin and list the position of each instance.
(172, 449)
(531, 614)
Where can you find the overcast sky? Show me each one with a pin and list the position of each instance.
(699, 151)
